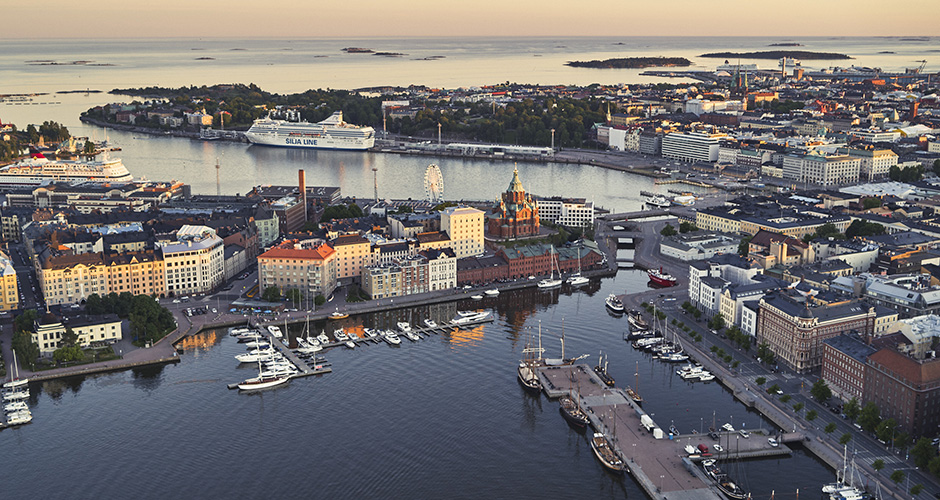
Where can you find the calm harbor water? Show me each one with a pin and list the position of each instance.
(441, 418)
(444, 417)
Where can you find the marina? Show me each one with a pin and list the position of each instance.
(658, 462)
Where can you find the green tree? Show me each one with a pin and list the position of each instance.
(886, 430)
(764, 354)
(687, 227)
(786, 398)
(878, 465)
(89, 147)
(294, 295)
(871, 202)
(760, 380)
(844, 440)
(26, 350)
(851, 409)
(936, 167)
(897, 476)
(830, 428)
(319, 300)
(863, 228)
(811, 415)
(744, 246)
(820, 391)
(68, 354)
(668, 230)
(271, 294)
(923, 452)
(916, 489)
(869, 417)
(934, 466)
(773, 389)
(902, 440)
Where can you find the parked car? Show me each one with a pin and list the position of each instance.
(718, 448)
(745, 434)
(773, 442)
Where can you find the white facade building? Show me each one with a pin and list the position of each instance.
(691, 147)
(822, 170)
(442, 269)
(566, 212)
(194, 263)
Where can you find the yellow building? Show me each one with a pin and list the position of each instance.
(353, 252)
(70, 279)
(464, 226)
(50, 330)
(9, 294)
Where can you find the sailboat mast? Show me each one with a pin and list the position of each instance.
(540, 339)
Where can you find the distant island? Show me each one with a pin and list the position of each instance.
(205, 59)
(358, 50)
(389, 54)
(632, 62)
(778, 54)
(786, 44)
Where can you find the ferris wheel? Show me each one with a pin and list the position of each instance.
(434, 184)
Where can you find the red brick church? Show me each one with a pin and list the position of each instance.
(516, 214)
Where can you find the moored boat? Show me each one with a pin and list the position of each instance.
(276, 331)
(338, 315)
(392, 338)
(492, 292)
(606, 454)
(661, 278)
(572, 412)
(614, 304)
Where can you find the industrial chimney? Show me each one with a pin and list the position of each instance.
(302, 180)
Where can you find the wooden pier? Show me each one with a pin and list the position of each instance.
(658, 462)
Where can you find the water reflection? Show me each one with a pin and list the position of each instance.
(147, 378)
(200, 342)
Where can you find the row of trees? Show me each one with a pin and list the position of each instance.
(149, 320)
(293, 295)
(49, 131)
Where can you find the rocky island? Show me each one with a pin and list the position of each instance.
(778, 54)
(632, 62)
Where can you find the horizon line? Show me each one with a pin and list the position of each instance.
(380, 37)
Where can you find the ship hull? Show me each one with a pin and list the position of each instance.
(322, 142)
(661, 281)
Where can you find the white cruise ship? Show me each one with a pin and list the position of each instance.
(332, 133)
(39, 171)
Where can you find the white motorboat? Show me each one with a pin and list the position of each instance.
(469, 317)
(340, 335)
(239, 330)
(614, 304)
(430, 323)
(492, 292)
(372, 333)
(276, 331)
(404, 326)
(15, 406)
(412, 336)
(706, 377)
(279, 372)
(392, 338)
(350, 344)
(15, 395)
(19, 418)
(250, 336)
(578, 280)
(323, 338)
(476, 297)
(313, 341)
(255, 356)
(257, 344)
(728, 427)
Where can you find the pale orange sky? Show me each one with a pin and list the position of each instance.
(373, 18)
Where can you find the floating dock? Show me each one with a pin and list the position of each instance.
(658, 462)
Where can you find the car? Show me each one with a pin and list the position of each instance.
(214, 311)
(745, 434)
(773, 442)
(718, 448)
(779, 392)
(176, 301)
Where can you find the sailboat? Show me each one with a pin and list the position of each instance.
(604, 452)
(635, 396)
(570, 409)
(16, 384)
(550, 282)
(601, 370)
(264, 381)
(576, 279)
(844, 488)
(528, 376)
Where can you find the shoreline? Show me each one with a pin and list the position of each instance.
(586, 157)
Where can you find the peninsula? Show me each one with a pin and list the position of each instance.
(632, 62)
(778, 54)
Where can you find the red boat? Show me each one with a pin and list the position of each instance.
(661, 278)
